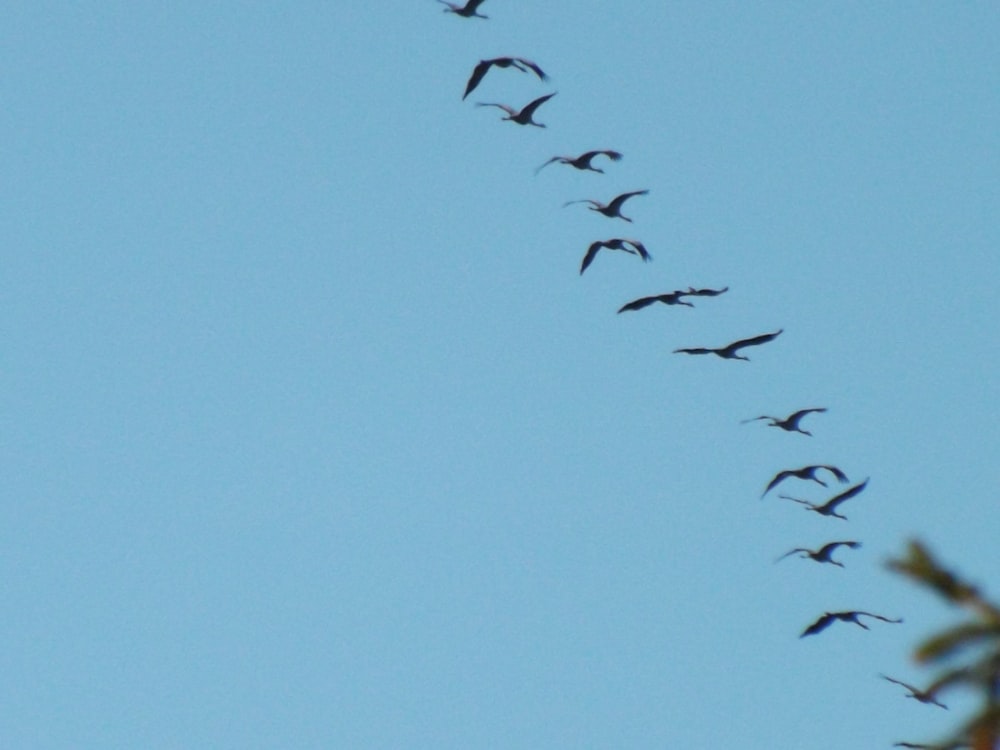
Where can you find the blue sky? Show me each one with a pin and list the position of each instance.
(314, 436)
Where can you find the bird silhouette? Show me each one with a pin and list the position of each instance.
(789, 423)
(829, 508)
(616, 243)
(483, 67)
(673, 298)
(924, 696)
(829, 618)
(806, 472)
(466, 11)
(729, 351)
(823, 554)
(524, 116)
(922, 746)
(613, 209)
(692, 292)
(583, 160)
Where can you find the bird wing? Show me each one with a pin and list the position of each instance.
(529, 110)
(792, 552)
(508, 109)
(841, 476)
(589, 257)
(755, 419)
(538, 71)
(586, 157)
(554, 158)
(706, 292)
(776, 480)
(616, 204)
(640, 303)
(753, 341)
(641, 249)
(827, 549)
(582, 200)
(899, 682)
(847, 494)
(896, 620)
(821, 624)
(694, 350)
(794, 418)
(797, 500)
(477, 75)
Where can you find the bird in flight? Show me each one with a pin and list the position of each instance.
(921, 746)
(829, 508)
(673, 298)
(692, 292)
(583, 161)
(524, 116)
(729, 351)
(824, 554)
(617, 243)
(789, 423)
(611, 210)
(501, 62)
(466, 11)
(806, 472)
(924, 696)
(829, 618)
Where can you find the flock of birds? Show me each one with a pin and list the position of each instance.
(791, 423)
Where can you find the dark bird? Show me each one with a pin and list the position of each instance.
(524, 116)
(673, 298)
(582, 161)
(806, 472)
(823, 554)
(501, 62)
(852, 616)
(617, 243)
(611, 210)
(829, 508)
(692, 292)
(924, 696)
(921, 746)
(729, 352)
(789, 423)
(466, 11)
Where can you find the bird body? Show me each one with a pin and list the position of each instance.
(829, 508)
(673, 298)
(617, 243)
(789, 423)
(613, 209)
(924, 696)
(823, 554)
(806, 472)
(466, 11)
(483, 67)
(583, 161)
(730, 351)
(524, 116)
(829, 618)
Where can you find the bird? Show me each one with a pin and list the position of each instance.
(524, 116)
(466, 11)
(583, 160)
(924, 696)
(806, 472)
(616, 243)
(921, 746)
(692, 292)
(611, 210)
(729, 352)
(823, 554)
(829, 618)
(829, 508)
(672, 298)
(789, 423)
(483, 66)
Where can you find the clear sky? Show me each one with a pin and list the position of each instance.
(313, 436)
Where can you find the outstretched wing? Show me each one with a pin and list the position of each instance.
(589, 257)
(827, 549)
(754, 341)
(638, 304)
(537, 71)
(793, 419)
(706, 292)
(508, 109)
(554, 158)
(694, 350)
(755, 419)
(477, 75)
(844, 496)
(841, 476)
(529, 110)
(641, 249)
(776, 480)
(821, 624)
(792, 552)
(616, 204)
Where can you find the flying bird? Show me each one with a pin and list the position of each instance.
(501, 62)
(806, 472)
(921, 746)
(829, 508)
(924, 696)
(617, 243)
(524, 116)
(829, 618)
(611, 210)
(583, 160)
(824, 554)
(789, 423)
(673, 298)
(692, 292)
(729, 352)
(466, 11)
